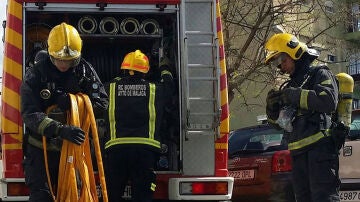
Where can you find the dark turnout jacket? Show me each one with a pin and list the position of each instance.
(42, 85)
(135, 113)
(318, 100)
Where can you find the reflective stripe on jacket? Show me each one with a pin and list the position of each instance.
(308, 140)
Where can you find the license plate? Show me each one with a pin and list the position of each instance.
(350, 195)
(243, 174)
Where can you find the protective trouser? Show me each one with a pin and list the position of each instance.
(35, 174)
(134, 165)
(315, 173)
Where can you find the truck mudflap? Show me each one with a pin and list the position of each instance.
(202, 188)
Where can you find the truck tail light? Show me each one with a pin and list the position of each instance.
(281, 161)
(204, 188)
(17, 189)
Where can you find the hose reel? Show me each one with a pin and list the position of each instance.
(149, 26)
(109, 25)
(130, 26)
(87, 25)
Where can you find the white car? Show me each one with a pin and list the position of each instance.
(349, 158)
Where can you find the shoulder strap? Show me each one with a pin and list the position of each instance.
(315, 69)
(312, 73)
(40, 68)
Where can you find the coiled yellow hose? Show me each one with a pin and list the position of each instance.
(76, 181)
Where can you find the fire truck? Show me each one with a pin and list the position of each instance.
(193, 161)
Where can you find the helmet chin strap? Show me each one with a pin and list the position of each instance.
(281, 71)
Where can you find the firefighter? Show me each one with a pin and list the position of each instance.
(48, 83)
(303, 107)
(136, 108)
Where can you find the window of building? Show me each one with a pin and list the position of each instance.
(354, 64)
(356, 95)
(355, 104)
(354, 24)
(331, 58)
(329, 6)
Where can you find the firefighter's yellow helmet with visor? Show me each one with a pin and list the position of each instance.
(284, 43)
(64, 43)
(136, 61)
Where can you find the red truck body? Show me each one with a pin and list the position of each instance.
(194, 164)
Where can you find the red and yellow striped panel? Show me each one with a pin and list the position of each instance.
(221, 144)
(224, 125)
(11, 123)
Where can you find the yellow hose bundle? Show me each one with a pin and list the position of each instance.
(76, 180)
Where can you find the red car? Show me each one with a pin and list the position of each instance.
(260, 164)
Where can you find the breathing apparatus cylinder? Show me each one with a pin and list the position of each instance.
(346, 88)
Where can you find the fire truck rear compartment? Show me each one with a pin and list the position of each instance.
(107, 37)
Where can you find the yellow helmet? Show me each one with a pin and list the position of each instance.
(64, 42)
(136, 61)
(284, 43)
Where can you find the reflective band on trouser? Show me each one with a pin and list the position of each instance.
(153, 186)
(150, 140)
(132, 140)
(303, 99)
(308, 140)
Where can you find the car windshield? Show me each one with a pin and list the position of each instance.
(355, 127)
(255, 139)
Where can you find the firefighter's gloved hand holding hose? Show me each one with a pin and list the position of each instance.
(76, 175)
(72, 133)
(63, 100)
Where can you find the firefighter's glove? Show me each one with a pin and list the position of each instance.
(63, 101)
(72, 133)
(291, 96)
(273, 104)
(164, 63)
(339, 132)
